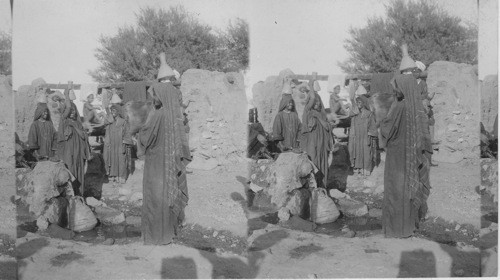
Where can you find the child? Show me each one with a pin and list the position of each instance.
(42, 134)
(90, 113)
(363, 148)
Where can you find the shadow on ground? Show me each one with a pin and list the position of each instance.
(224, 267)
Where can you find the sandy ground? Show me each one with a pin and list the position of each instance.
(7, 185)
(217, 204)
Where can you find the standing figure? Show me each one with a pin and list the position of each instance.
(42, 137)
(115, 150)
(90, 113)
(164, 184)
(362, 138)
(257, 136)
(286, 127)
(317, 139)
(336, 105)
(74, 149)
(405, 134)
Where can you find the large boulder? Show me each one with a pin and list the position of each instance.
(280, 178)
(266, 96)
(489, 101)
(45, 182)
(456, 106)
(216, 116)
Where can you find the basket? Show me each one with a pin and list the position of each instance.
(81, 217)
(323, 208)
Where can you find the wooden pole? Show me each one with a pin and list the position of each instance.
(118, 85)
(369, 76)
(311, 77)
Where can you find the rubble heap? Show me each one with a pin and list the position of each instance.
(216, 117)
(456, 110)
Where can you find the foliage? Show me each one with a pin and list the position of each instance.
(431, 35)
(132, 54)
(237, 45)
(5, 54)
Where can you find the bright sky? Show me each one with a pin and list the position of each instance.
(5, 16)
(56, 39)
(488, 38)
(310, 37)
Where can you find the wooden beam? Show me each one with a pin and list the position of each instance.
(117, 85)
(369, 76)
(310, 77)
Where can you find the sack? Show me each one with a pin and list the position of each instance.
(323, 209)
(81, 218)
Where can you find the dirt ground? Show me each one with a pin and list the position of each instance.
(214, 241)
(7, 189)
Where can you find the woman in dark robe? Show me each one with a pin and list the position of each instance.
(42, 137)
(362, 138)
(257, 136)
(317, 140)
(115, 157)
(164, 184)
(286, 127)
(406, 177)
(74, 149)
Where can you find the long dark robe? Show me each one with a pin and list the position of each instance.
(254, 145)
(317, 140)
(286, 126)
(164, 185)
(42, 136)
(406, 175)
(115, 156)
(363, 129)
(74, 147)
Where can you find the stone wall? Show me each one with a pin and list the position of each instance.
(456, 108)
(217, 116)
(489, 101)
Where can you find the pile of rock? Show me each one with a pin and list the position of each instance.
(45, 190)
(286, 185)
(456, 110)
(48, 193)
(217, 118)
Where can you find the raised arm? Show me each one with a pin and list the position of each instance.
(67, 103)
(310, 101)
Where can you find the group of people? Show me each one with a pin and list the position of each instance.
(162, 140)
(313, 132)
(406, 132)
(70, 142)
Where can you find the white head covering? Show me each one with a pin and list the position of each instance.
(361, 90)
(72, 95)
(420, 66)
(177, 74)
(316, 86)
(115, 99)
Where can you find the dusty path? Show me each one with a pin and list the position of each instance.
(216, 209)
(7, 181)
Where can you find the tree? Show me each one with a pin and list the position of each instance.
(132, 54)
(431, 35)
(237, 46)
(5, 54)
